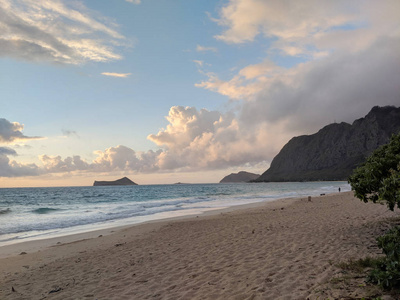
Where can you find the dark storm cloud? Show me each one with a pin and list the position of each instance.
(341, 87)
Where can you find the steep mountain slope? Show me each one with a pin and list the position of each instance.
(334, 151)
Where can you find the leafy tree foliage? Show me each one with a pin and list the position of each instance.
(378, 179)
(387, 273)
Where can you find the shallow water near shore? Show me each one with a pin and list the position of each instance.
(36, 213)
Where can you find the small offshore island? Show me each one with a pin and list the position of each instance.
(122, 181)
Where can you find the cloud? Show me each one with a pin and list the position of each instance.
(199, 140)
(236, 88)
(7, 151)
(193, 140)
(134, 1)
(199, 63)
(309, 28)
(206, 49)
(343, 86)
(55, 31)
(14, 169)
(123, 158)
(350, 63)
(55, 164)
(119, 75)
(69, 133)
(119, 158)
(245, 19)
(12, 132)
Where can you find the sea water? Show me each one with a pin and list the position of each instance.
(36, 213)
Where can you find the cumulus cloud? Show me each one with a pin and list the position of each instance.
(193, 140)
(55, 31)
(55, 164)
(7, 151)
(201, 139)
(119, 158)
(350, 63)
(12, 132)
(10, 168)
(119, 75)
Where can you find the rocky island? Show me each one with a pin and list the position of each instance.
(122, 181)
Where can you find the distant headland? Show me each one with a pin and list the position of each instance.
(242, 176)
(122, 181)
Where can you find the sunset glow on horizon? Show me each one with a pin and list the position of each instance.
(182, 91)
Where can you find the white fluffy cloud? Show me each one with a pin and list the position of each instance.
(55, 31)
(205, 139)
(193, 140)
(119, 158)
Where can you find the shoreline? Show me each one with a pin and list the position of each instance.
(40, 244)
(274, 250)
(60, 220)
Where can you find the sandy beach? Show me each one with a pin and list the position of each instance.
(287, 249)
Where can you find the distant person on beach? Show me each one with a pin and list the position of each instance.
(339, 189)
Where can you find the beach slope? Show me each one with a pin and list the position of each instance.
(279, 250)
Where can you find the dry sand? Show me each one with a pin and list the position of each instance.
(279, 250)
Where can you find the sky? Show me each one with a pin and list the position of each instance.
(166, 91)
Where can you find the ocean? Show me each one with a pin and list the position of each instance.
(37, 213)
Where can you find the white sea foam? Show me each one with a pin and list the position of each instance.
(34, 213)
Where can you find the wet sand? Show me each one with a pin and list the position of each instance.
(287, 249)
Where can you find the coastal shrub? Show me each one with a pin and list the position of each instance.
(378, 179)
(387, 272)
(359, 265)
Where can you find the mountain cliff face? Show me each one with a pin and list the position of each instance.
(334, 151)
(242, 176)
(122, 181)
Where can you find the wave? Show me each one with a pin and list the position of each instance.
(44, 210)
(5, 211)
